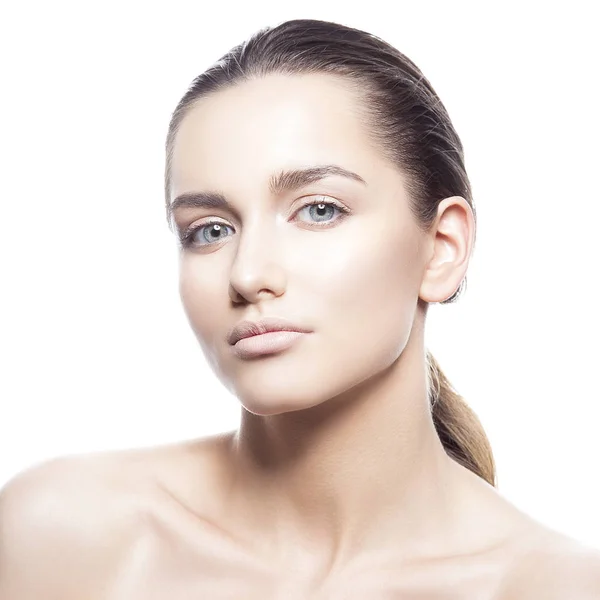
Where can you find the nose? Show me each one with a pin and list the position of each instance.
(257, 268)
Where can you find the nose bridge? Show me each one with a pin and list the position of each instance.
(257, 261)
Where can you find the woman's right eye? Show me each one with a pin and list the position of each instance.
(211, 233)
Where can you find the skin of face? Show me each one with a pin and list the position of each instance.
(355, 282)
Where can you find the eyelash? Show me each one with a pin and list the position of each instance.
(186, 237)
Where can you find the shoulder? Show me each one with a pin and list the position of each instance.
(62, 525)
(560, 568)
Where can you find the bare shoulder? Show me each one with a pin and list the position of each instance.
(63, 524)
(558, 568)
(69, 525)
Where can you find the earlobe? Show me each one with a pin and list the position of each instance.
(439, 283)
(451, 244)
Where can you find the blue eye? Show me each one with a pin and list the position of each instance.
(212, 231)
(320, 205)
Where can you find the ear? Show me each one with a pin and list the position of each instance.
(451, 242)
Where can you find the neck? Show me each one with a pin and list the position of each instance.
(361, 470)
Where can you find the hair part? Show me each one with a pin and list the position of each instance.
(408, 125)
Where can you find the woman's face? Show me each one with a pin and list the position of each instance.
(352, 278)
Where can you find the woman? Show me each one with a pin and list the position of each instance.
(318, 191)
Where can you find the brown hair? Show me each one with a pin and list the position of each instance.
(411, 127)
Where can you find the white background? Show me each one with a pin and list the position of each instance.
(96, 351)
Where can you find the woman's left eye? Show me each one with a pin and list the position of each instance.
(321, 209)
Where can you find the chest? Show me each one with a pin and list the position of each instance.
(158, 567)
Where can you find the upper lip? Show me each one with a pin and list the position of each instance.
(246, 329)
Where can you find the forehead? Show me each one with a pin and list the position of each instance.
(248, 131)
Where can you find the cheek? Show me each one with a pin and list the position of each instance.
(200, 290)
(365, 271)
(370, 292)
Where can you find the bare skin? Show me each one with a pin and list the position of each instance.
(129, 526)
(336, 485)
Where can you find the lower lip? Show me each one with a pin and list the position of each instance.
(266, 343)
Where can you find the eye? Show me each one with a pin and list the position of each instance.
(322, 209)
(211, 232)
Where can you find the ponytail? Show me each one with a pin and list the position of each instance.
(459, 428)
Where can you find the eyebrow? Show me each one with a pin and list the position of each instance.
(285, 180)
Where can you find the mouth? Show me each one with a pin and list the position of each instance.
(248, 329)
(271, 342)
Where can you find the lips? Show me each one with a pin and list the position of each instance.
(246, 329)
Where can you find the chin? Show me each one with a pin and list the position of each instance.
(277, 401)
(263, 410)
(262, 407)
